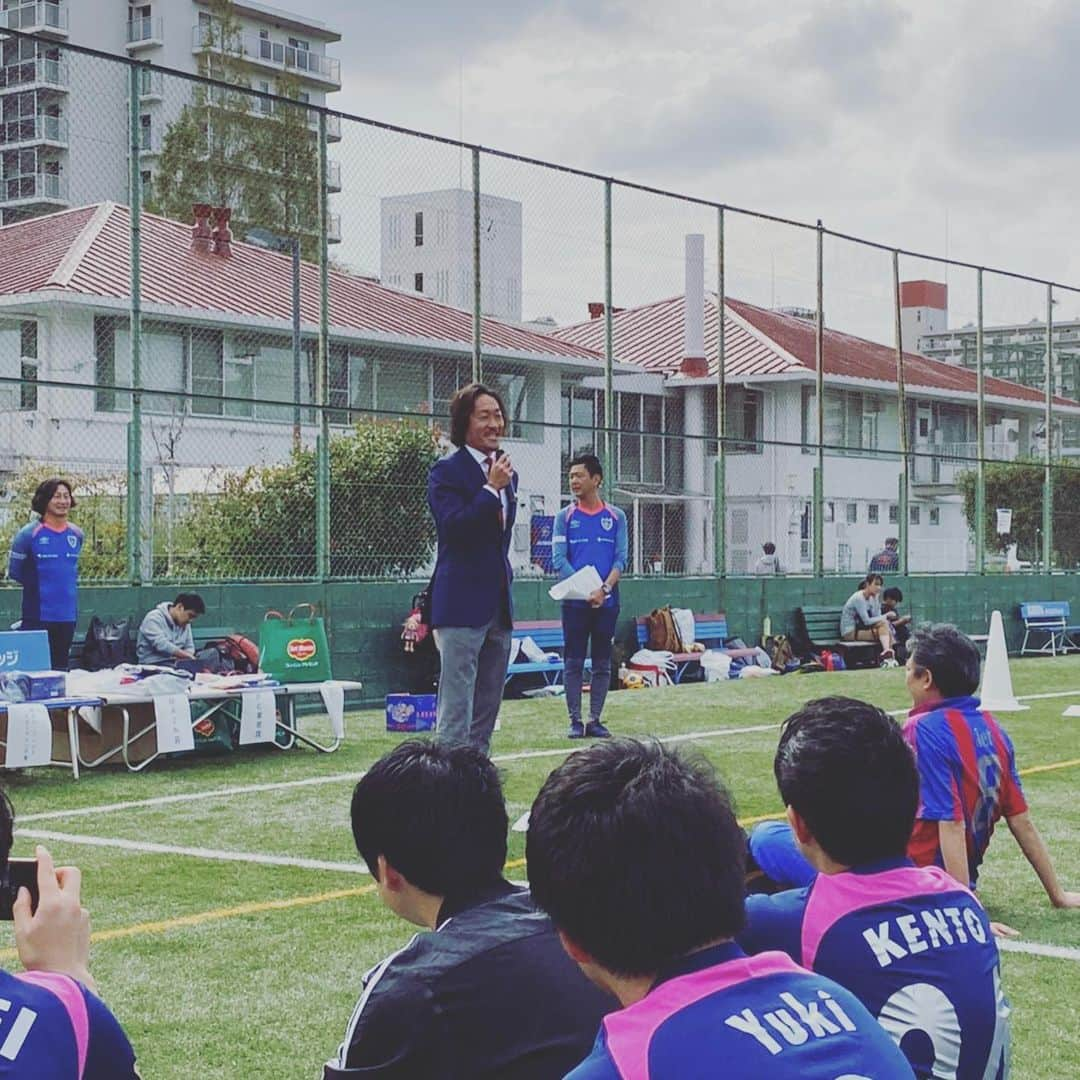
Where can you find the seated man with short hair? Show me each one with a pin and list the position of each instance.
(635, 853)
(485, 990)
(910, 942)
(165, 632)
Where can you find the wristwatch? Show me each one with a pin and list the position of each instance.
(606, 589)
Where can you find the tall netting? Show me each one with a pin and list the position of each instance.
(235, 321)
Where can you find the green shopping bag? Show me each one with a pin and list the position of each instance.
(292, 648)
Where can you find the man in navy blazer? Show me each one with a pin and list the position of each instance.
(473, 498)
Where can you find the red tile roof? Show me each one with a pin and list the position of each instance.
(87, 251)
(763, 342)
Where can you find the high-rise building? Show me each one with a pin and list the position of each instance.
(427, 247)
(63, 122)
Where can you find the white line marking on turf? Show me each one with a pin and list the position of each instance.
(147, 847)
(1034, 948)
(334, 778)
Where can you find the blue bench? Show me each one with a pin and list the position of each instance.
(548, 635)
(1047, 620)
(710, 630)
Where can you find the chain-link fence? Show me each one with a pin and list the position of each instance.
(234, 320)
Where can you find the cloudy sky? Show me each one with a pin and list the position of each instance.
(945, 128)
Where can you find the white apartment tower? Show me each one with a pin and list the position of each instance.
(427, 246)
(63, 116)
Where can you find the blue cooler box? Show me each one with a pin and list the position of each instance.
(410, 712)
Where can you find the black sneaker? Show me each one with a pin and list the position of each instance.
(576, 730)
(595, 730)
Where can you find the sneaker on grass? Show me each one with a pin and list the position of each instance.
(576, 731)
(595, 730)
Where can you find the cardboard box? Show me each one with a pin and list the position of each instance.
(410, 712)
(32, 685)
(94, 744)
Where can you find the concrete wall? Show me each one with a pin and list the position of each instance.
(364, 618)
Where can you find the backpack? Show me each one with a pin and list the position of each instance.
(107, 644)
(663, 631)
(241, 652)
(831, 661)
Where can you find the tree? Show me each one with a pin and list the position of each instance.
(230, 148)
(262, 523)
(1019, 487)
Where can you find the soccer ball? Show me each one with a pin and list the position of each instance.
(633, 681)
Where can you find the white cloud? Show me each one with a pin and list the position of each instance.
(885, 118)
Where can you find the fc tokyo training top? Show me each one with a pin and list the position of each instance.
(720, 1013)
(597, 538)
(967, 772)
(46, 563)
(53, 1028)
(913, 946)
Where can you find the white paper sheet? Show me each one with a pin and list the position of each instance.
(257, 718)
(29, 740)
(172, 719)
(578, 586)
(333, 695)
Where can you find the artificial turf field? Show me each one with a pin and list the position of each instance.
(241, 955)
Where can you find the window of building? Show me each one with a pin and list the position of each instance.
(264, 105)
(418, 228)
(523, 393)
(18, 360)
(935, 515)
(915, 514)
(830, 511)
(418, 282)
(894, 514)
(872, 512)
(851, 421)
(146, 133)
(852, 513)
(393, 232)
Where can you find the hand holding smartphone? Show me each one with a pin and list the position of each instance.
(20, 873)
(52, 928)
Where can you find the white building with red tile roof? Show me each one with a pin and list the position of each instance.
(217, 370)
(770, 368)
(220, 326)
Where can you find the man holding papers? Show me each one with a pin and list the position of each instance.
(589, 545)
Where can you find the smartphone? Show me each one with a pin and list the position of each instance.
(19, 872)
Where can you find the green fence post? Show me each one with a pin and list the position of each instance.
(322, 449)
(903, 563)
(1048, 423)
(980, 432)
(609, 345)
(819, 359)
(134, 447)
(720, 479)
(477, 331)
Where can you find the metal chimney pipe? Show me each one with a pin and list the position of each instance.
(694, 362)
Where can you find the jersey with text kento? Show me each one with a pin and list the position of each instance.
(914, 947)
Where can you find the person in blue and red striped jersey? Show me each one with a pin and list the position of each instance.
(968, 779)
(634, 851)
(910, 942)
(967, 767)
(45, 561)
(590, 532)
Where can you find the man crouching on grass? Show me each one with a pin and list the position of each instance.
(485, 989)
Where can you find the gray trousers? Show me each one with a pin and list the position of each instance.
(474, 662)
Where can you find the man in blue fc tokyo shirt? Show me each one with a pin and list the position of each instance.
(910, 942)
(589, 532)
(45, 561)
(635, 853)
